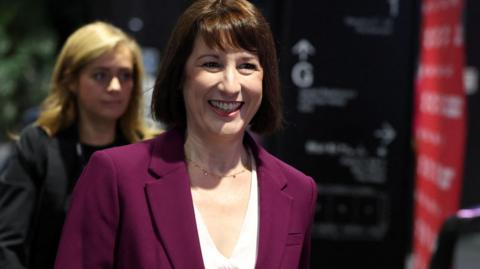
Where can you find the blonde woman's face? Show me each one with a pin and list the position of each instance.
(105, 86)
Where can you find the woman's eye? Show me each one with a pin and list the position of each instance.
(100, 76)
(125, 76)
(249, 66)
(211, 65)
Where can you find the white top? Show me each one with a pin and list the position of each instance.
(244, 254)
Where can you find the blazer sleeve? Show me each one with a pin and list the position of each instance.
(88, 236)
(19, 182)
(305, 259)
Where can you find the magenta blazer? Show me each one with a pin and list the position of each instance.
(132, 209)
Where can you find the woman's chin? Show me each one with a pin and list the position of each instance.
(230, 129)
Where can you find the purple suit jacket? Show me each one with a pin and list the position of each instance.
(132, 209)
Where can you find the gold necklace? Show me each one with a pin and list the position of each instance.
(206, 172)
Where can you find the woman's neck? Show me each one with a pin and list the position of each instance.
(96, 133)
(216, 156)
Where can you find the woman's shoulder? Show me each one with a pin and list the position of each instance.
(298, 185)
(130, 151)
(33, 132)
(32, 138)
(291, 173)
(30, 147)
(138, 154)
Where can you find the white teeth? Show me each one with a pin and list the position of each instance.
(226, 106)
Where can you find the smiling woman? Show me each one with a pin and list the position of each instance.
(222, 91)
(93, 104)
(203, 194)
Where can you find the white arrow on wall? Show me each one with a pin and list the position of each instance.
(304, 49)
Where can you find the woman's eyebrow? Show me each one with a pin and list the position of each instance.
(107, 68)
(249, 57)
(206, 55)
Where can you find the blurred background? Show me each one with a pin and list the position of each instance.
(364, 102)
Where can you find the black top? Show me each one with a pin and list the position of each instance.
(34, 194)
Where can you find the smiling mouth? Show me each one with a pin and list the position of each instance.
(226, 106)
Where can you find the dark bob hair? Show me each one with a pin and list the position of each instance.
(222, 24)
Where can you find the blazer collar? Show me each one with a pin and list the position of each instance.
(171, 202)
(167, 153)
(172, 206)
(275, 207)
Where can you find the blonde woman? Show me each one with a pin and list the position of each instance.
(94, 103)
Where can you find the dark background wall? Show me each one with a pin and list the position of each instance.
(348, 69)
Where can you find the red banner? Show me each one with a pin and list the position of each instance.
(440, 118)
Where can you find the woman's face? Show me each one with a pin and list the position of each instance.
(222, 90)
(104, 87)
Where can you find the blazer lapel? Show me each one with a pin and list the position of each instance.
(171, 203)
(275, 207)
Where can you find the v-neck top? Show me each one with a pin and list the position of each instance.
(244, 254)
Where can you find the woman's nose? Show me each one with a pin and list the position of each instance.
(230, 82)
(114, 84)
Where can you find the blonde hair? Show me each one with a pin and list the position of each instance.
(59, 109)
